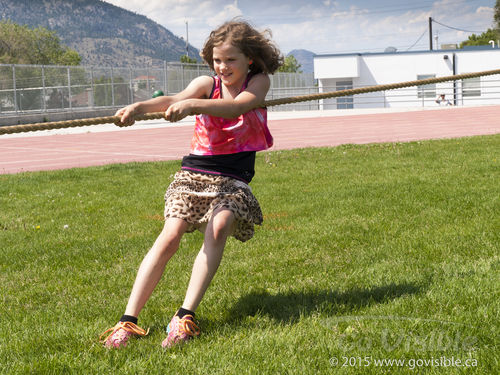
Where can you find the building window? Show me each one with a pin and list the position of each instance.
(426, 91)
(471, 87)
(344, 102)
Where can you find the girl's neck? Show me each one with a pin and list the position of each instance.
(233, 90)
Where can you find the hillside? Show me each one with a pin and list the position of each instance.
(103, 34)
(304, 58)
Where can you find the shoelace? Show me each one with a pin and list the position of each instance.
(188, 326)
(127, 326)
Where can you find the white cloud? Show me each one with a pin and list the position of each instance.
(171, 14)
(228, 12)
(201, 16)
(324, 26)
(486, 10)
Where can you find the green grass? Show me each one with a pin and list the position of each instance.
(372, 252)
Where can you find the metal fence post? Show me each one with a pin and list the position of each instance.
(165, 77)
(112, 88)
(14, 86)
(92, 89)
(131, 86)
(44, 92)
(182, 77)
(69, 88)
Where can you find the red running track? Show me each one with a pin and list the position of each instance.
(35, 153)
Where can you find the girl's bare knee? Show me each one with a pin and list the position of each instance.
(170, 237)
(222, 224)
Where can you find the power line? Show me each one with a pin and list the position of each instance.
(327, 13)
(418, 40)
(456, 28)
(353, 12)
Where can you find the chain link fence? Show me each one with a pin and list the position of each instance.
(26, 89)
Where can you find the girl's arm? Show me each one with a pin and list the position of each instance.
(199, 87)
(253, 96)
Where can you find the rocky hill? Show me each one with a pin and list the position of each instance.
(305, 58)
(103, 34)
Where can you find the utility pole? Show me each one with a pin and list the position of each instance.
(187, 40)
(430, 33)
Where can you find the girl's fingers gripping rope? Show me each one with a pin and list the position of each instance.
(126, 117)
(176, 112)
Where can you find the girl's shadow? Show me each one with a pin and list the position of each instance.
(289, 307)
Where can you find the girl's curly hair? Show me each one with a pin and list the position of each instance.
(255, 45)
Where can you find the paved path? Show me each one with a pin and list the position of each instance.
(158, 140)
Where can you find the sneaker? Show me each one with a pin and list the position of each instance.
(120, 334)
(180, 330)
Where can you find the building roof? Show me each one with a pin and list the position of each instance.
(466, 49)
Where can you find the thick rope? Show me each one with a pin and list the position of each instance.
(390, 86)
(267, 103)
(74, 123)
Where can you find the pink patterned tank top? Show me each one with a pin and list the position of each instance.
(218, 136)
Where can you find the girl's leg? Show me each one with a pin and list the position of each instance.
(208, 259)
(154, 263)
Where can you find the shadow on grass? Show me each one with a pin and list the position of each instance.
(289, 307)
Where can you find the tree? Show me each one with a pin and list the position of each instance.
(490, 34)
(22, 45)
(482, 39)
(185, 59)
(290, 65)
(496, 15)
(40, 46)
(70, 57)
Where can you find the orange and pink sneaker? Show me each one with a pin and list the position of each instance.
(180, 330)
(120, 334)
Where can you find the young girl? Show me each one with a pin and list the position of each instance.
(211, 191)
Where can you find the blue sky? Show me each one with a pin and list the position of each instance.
(327, 26)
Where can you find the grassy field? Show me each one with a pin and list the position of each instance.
(368, 254)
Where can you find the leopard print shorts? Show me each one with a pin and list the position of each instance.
(194, 197)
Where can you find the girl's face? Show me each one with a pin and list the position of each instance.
(230, 64)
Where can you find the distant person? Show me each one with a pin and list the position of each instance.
(210, 192)
(441, 100)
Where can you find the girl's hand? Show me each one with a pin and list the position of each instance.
(127, 115)
(177, 111)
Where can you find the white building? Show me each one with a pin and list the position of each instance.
(343, 71)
